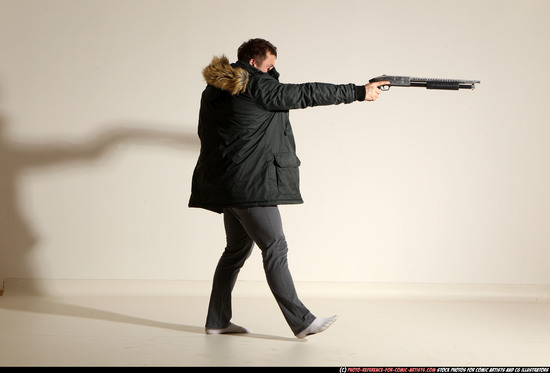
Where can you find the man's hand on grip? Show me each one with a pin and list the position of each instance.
(373, 90)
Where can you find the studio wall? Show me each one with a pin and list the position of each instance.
(99, 104)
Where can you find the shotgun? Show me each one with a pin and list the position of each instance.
(429, 83)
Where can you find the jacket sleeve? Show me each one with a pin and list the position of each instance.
(272, 95)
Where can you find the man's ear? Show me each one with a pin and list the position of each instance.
(252, 62)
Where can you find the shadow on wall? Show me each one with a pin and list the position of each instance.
(17, 239)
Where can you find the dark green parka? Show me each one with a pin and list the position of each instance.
(248, 155)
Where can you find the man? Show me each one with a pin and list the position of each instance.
(248, 166)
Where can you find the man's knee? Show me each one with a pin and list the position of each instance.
(238, 252)
(275, 250)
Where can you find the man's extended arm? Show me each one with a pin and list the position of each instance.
(272, 95)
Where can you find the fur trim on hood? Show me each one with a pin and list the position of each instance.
(222, 75)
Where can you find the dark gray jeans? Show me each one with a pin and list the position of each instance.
(244, 227)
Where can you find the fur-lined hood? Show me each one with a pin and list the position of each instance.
(221, 74)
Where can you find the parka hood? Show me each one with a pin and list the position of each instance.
(221, 74)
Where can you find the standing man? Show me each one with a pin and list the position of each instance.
(248, 166)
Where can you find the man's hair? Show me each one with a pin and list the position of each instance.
(257, 49)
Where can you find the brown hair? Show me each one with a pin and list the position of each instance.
(257, 49)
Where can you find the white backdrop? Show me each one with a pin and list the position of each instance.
(99, 102)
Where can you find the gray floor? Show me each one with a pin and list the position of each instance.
(69, 329)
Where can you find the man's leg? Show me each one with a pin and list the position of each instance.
(264, 226)
(238, 249)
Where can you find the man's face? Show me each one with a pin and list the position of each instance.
(267, 64)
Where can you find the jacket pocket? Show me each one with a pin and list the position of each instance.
(288, 177)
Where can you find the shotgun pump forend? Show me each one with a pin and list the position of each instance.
(429, 83)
